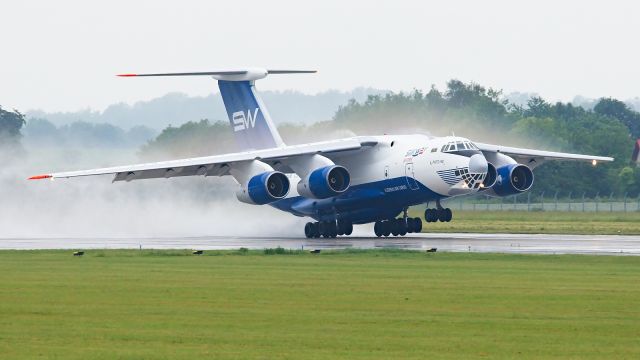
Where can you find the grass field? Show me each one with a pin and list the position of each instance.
(345, 305)
(540, 222)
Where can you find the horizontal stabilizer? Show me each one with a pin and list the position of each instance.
(229, 75)
(205, 73)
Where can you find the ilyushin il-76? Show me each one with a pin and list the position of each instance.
(341, 183)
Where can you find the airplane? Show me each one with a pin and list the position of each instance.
(344, 182)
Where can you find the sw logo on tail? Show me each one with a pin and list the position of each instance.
(242, 121)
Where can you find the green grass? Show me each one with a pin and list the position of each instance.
(537, 222)
(343, 305)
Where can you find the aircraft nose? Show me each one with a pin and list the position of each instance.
(478, 164)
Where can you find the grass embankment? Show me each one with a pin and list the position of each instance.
(349, 305)
(537, 222)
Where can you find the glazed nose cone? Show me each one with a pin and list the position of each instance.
(478, 164)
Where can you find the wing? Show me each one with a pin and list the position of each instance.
(533, 158)
(219, 165)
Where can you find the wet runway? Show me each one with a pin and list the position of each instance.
(500, 243)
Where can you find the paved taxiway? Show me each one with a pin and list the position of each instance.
(502, 243)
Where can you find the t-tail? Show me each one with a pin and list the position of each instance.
(249, 118)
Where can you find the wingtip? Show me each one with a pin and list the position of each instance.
(126, 75)
(40, 177)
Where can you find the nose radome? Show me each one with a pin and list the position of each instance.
(478, 164)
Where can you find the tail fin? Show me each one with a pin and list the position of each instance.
(252, 125)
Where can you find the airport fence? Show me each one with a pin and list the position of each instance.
(540, 202)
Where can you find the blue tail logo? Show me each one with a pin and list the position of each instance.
(252, 125)
(242, 121)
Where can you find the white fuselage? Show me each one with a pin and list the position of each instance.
(398, 172)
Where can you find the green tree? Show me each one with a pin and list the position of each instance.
(10, 123)
(619, 110)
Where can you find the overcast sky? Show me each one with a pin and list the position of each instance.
(62, 55)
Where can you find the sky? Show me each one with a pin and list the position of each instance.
(62, 55)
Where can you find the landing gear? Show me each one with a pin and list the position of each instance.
(345, 227)
(310, 230)
(397, 227)
(435, 215)
(414, 225)
(328, 229)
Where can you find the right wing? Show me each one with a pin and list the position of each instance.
(533, 158)
(219, 165)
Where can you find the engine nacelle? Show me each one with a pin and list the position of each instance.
(490, 178)
(264, 188)
(513, 179)
(325, 182)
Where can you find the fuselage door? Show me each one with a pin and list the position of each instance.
(411, 178)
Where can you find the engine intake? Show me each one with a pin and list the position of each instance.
(490, 178)
(325, 182)
(265, 188)
(513, 179)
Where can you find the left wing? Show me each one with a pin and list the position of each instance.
(219, 165)
(533, 158)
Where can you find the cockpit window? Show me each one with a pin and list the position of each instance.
(459, 147)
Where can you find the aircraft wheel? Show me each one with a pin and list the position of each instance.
(348, 229)
(316, 230)
(448, 214)
(308, 230)
(393, 227)
(377, 228)
(442, 215)
(431, 215)
(402, 227)
(410, 225)
(386, 228)
(322, 229)
(417, 223)
(341, 227)
(345, 227)
(335, 229)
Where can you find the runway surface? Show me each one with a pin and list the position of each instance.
(500, 243)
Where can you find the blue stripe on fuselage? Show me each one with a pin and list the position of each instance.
(362, 203)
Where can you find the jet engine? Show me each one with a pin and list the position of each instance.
(512, 179)
(264, 188)
(325, 182)
(490, 178)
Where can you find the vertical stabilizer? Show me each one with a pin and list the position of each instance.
(252, 126)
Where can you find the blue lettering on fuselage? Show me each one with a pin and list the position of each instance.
(395, 188)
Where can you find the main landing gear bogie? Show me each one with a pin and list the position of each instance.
(435, 215)
(328, 229)
(397, 227)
